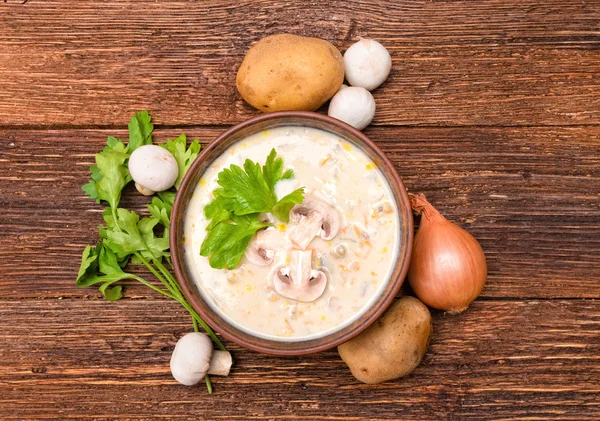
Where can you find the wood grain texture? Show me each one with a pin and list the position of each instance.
(500, 62)
(508, 96)
(110, 361)
(531, 196)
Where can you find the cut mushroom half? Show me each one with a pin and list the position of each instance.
(299, 281)
(261, 249)
(314, 212)
(307, 229)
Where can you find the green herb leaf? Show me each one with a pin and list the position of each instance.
(134, 235)
(272, 169)
(226, 243)
(161, 207)
(108, 263)
(252, 189)
(115, 176)
(140, 130)
(247, 189)
(288, 174)
(233, 213)
(217, 211)
(111, 294)
(99, 259)
(282, 209)
(91, 191)
(88, 266)
(183, 155)
(114, 143)
(158, 246)
(110, 174)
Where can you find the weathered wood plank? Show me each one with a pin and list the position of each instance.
(501, 62)
(499, 360)
(530, 195)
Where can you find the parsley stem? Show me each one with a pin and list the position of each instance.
(149, 285)
(208, 384)
(177, 296)
(168, 275)
(154, 271)
(202, 323)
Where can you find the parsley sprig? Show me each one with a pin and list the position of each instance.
(126, 238)
(244, 194)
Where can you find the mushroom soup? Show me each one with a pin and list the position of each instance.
(322, 270)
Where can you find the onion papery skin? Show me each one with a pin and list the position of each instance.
(448, 269)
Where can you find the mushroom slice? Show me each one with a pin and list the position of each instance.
(331, 218)
(262, 247)
(299, 281)
(306, 230)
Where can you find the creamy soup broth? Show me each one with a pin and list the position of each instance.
(358, 260)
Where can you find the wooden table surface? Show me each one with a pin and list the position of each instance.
(492, 110)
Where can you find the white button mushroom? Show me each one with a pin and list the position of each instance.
(298, 280)
(353, 105)
(314, 217)
(263, 245)
(153, 169)
(194, 357)
(367, 64)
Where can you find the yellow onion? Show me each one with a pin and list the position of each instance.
(447, 269)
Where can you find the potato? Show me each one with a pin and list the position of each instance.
(289, 72)
(391, 347)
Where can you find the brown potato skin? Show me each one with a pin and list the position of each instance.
(391, 347)
(289, 72)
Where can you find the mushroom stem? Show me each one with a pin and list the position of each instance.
(299, 281)
(220, 364)
(144, 190)
(307, 229)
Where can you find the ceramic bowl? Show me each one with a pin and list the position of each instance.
(214, 150)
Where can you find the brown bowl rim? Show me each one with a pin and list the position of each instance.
(261, 344)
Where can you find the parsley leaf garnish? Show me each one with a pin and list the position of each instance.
(183, 155)
(130, 234)
(282, 209)
(99, 265)
(161, 207)
(140, 130)
(227, 241)
(244, 194)
(252, 189)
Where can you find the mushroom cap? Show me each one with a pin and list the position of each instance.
(298, 281)
(260, 250)
(353, 105)
(331, 218)
(309, 292)
(367, 64)
(191, 358)
(153, 167)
